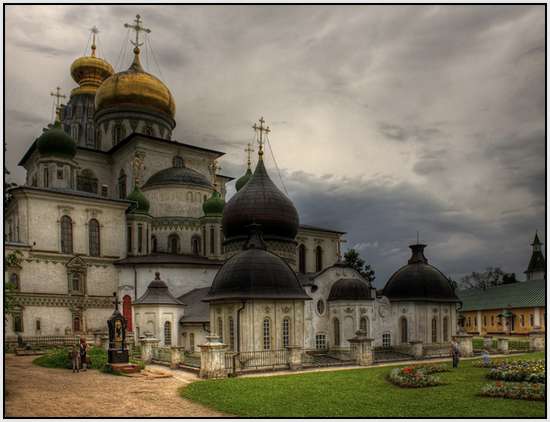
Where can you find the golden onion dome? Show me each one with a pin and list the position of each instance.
(135, 87)
(89, 72)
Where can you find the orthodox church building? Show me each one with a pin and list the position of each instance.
(112, 203)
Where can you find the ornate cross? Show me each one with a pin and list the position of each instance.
(138, 28)
(94, 31)
(116, 302)
(249, 150)
(261, 130)
(57, 94)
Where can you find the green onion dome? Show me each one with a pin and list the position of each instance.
(213, 205)
(142, 202)
(55, 141)
(243, 179)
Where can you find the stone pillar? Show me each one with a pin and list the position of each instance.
(417, 349)
(465, 344)
(503, 345)
(361, 348)
(105, 342)
(536, 341)
(294, 357)
(487, 342)
(213, 358)
(147, 344)
(175, 356)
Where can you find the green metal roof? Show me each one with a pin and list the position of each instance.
(516, 295)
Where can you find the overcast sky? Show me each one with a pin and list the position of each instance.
(386, 120)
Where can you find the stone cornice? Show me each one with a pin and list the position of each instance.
(62, 300)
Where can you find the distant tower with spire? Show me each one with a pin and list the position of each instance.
(536, 270)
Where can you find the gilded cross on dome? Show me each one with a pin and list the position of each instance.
(249, 150)
(57, 94)
(261, 129)
(138, 28)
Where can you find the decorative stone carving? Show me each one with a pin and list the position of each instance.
(348, 310)
(286, 309)
(267, 309)
(363, 310)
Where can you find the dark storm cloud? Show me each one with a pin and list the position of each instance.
(387, 120)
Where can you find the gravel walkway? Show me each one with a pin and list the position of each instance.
(33, 391)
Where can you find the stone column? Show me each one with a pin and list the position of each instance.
(294, 357)
(417, 349)
(465, 344)
(213, 358)
(147, 344)
(536, 341)
(361, 348)
(503, 345)
(487, 342)
(175, 356)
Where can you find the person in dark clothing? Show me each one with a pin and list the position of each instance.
(82, 350)
(455, 353)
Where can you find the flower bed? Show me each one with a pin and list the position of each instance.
(528, 371)
(515, 390)
(417, 376)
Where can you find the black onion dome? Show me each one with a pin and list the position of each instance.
(178, 176)
(157, 293)
(419, 281)
(350, 289)
(260, 202)
(255, 273)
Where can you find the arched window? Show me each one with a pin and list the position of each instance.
(127, 311)
(93, 228)
(220, 328)
(167, 333)
(231, 333)
(204, 239)
(212, 242)
(446, 328)
(191, 342)
(364, 325)
(90, 132)
(153, 243)
(46, 177)
(286, 332)
(336, 323)
(267, 334)
(86, 181)
(177, 161)
(122, 184)
(174, 243)
(140, 238)
(318, 259)
(302, 258)
(404, 329)
(76, 324)
(434, 330)
(196, 245)
(18, 323)
(66, 234)
(129, 239)
(14, 281)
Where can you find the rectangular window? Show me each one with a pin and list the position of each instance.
(140, 238)
(532, 320)
(286, 331)
(129, 239)
(37, 325)
(484, 320)
(267, 334)
(522, 319)
(321, 342)
(104, 191)
(220, 328)
(386, 340)
(212, 250)
(231, 334)
(60, 173)
(18, 323)
(492, 320)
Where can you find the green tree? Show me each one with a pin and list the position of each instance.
(354, 260)
(491, 277)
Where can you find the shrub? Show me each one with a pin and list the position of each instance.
(515, 390)
(59, 358)
(416, 376)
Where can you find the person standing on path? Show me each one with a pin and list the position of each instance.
(82, 350)
(455, 352)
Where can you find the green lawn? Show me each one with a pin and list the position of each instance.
(358, 393)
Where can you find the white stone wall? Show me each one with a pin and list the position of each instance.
(311, 239)
(152, 318)
(198, 333)
(176, 200)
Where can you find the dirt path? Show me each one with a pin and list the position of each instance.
(33, 391)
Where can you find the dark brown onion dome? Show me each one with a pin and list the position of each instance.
(260, 202)
(255, 273)
(419, 281)
(157, 293)
(178, 176)
(350, 289)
